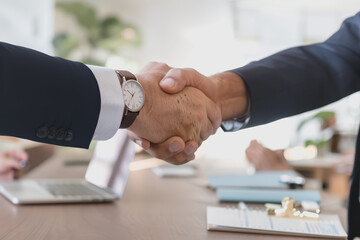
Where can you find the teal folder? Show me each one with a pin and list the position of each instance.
(270, 179)
(265, 195)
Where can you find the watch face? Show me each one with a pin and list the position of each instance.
(133, 95)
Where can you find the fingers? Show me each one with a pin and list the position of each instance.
(265, 159)
(177, 79)
(213, 112)
(173, 150)
(10, 175)
(14, 159)
(10, 163)
(185, 156)
(254, 154)
(151, 66)
(16, 155)
(168, 148)
(207, 129)
(145, 144)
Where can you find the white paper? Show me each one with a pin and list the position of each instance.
(246, 220)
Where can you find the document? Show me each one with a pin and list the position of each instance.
(257, 221)
(266, 195)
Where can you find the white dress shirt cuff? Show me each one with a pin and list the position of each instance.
(112, 102)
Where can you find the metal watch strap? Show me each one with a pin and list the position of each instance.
(128, 116)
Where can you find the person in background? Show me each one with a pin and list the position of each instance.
(10, 162)
(265, 159)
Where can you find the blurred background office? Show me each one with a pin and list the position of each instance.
(210, 36)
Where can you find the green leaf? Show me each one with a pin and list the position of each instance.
(84, 14)
(64, 44)
(318, 144)
(322, 116)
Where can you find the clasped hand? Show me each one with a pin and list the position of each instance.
(188, 116)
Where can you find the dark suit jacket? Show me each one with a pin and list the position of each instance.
(47, 99)
(304, 78)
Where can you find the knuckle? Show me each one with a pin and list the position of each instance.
(177, 73)
(161, 65)
(179, 159)
(152, 63)
(158, 154)
(200, 116)
(205, 136)
(190, 158)
(164, 65)
(192, 71)
(176, 163)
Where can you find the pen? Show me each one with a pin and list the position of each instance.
(242, 206)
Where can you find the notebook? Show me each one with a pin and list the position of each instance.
(105, 178)
(174, 171)
(272, 179)
(257, 221)
(265, 195)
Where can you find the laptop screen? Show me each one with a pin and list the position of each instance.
(109, 166)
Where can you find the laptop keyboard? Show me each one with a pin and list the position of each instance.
(70, 189)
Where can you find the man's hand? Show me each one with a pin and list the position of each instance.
(190, 115)
(226, 89)
(264, 159)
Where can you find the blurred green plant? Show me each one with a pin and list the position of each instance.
(327, 120)
(108, 33)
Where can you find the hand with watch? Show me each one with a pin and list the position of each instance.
(152, 114)
(226, 89)
(134, 97)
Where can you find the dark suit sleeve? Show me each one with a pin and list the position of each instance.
(304, 78)
(47, 99)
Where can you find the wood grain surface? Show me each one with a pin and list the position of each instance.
(151, 208)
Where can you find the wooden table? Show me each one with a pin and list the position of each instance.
(151, 208)
(326, 170)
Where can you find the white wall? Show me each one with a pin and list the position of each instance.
(217, 35)
(27, 23)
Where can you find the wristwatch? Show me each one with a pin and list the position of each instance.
(134, 97)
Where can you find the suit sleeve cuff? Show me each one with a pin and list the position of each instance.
(112, 103)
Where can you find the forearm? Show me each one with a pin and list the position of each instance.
(304, 78)
(47, 99)
(231, 94)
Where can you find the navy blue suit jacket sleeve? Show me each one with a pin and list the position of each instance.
(304, 78)
(47, 99)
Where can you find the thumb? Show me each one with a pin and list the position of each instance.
(170, 85)
(177, 79)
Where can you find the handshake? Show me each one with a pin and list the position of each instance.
(183, 108)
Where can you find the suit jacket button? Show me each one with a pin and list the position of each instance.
(42, 132)
(60, 134)
(52, 133)
(69, 135)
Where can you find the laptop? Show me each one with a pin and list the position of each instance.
(104, 181)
